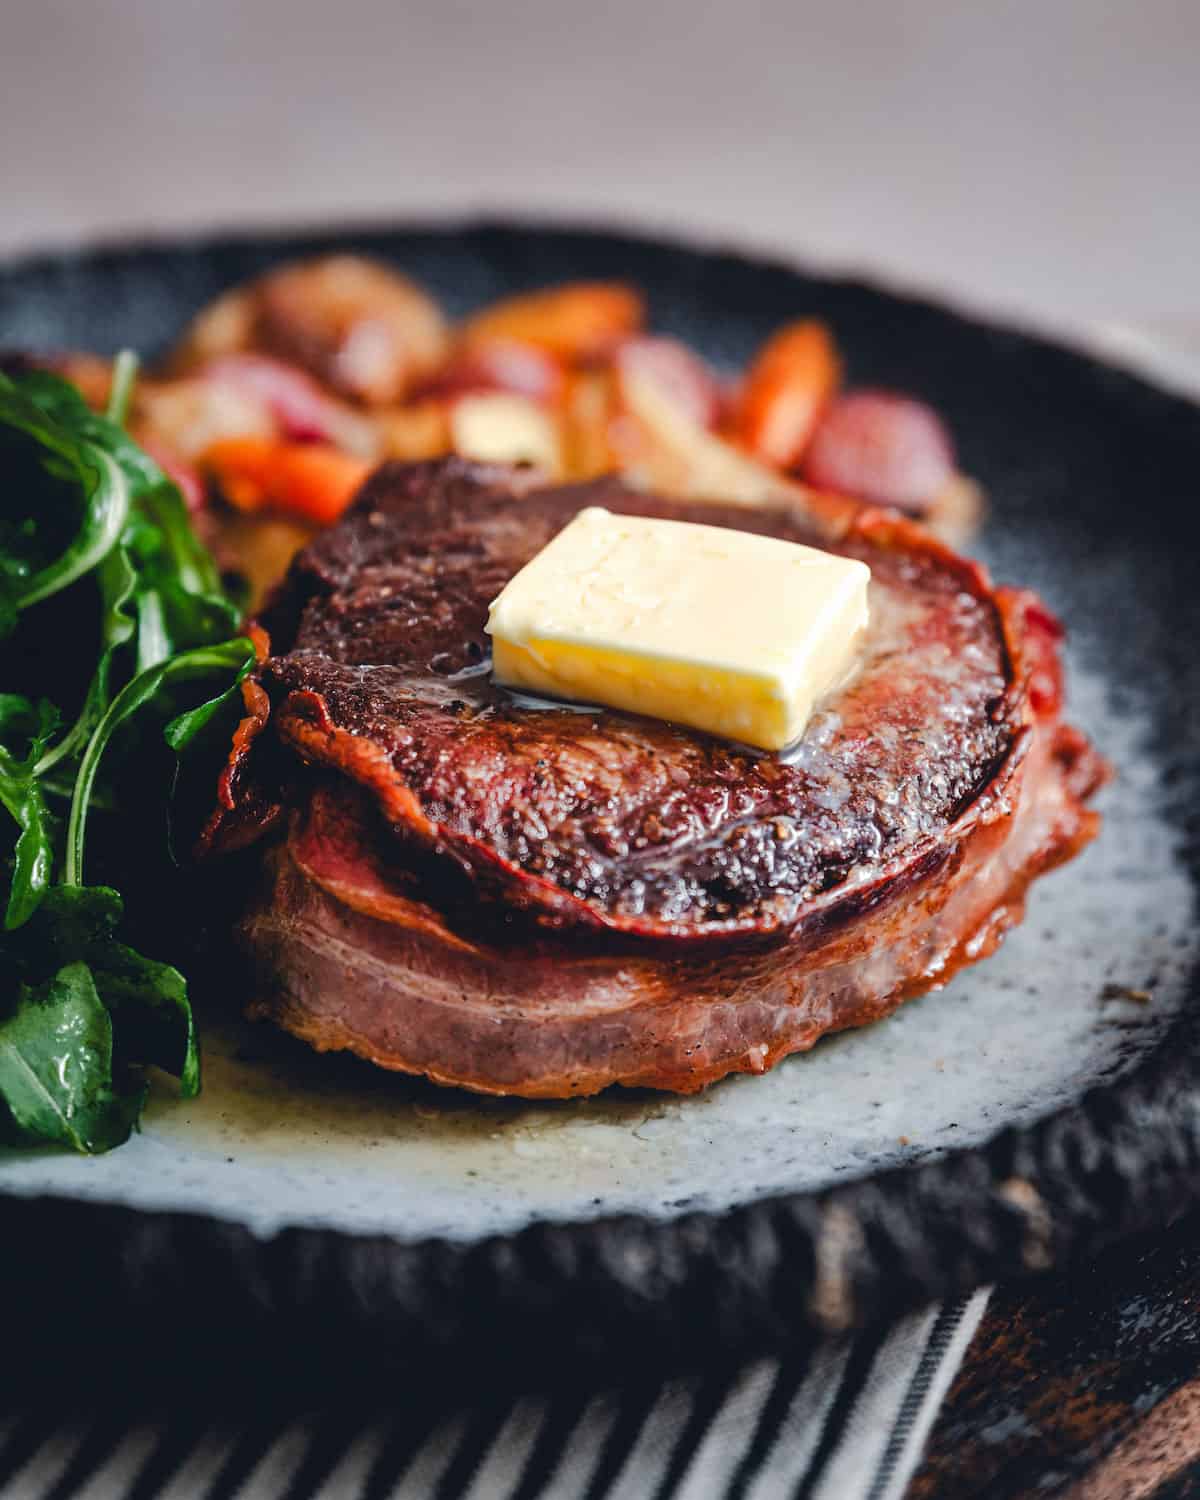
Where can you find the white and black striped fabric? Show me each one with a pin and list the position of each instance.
(848, 1423)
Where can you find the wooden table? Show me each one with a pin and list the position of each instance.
(1084, 1385)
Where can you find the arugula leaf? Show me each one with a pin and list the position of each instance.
(231, 656)
(159, 570)
(186, 727)
(58, 400)
(21, 794)
(170, 537)
(93, 526)
(124, 374)
(72, 923)
(103, 484)
(149, 1002)
(117, 582)
(147, 999)
(56, 1066)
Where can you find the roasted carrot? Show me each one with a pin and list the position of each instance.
(792, 379)
(310, 480)
(243, 467)
(578, 321)
(318, 482)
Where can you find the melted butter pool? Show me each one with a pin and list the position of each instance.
(265, 1093)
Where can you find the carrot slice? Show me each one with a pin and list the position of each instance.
(318, 482)
(243, 465)
(578, 321)
(311, 480)
(789, 384)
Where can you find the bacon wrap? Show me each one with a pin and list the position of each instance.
(543, 903)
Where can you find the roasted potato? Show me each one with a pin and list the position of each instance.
(366, 331)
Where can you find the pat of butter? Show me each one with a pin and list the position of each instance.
(722, 630)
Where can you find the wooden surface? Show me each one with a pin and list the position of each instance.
(1085, 1385)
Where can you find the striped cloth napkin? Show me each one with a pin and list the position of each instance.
(847, 1423)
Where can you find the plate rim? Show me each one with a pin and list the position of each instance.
(777, 1272)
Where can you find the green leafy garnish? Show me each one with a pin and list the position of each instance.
(56, 1066)
(111, 617)
(21, 793)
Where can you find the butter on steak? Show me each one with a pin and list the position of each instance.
(527, 899)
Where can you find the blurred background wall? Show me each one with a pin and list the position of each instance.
(1039, 156)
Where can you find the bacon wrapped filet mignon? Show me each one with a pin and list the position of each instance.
(523, 898)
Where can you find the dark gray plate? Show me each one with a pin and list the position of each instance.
(310, 1216)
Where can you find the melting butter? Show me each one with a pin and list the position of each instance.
(721, 630)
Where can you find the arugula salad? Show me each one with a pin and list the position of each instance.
(118, 650)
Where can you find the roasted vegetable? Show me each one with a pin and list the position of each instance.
(787, 387)
(579, 321)
(882, 447)
(359, 326)
(564, 376)
(313, 481)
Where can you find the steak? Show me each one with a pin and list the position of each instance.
(524, 897)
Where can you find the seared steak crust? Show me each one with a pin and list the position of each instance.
(599, 818)
(544, 901)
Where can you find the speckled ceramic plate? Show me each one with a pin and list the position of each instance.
(311, 1215)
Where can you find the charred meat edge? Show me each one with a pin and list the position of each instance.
(346, 962)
